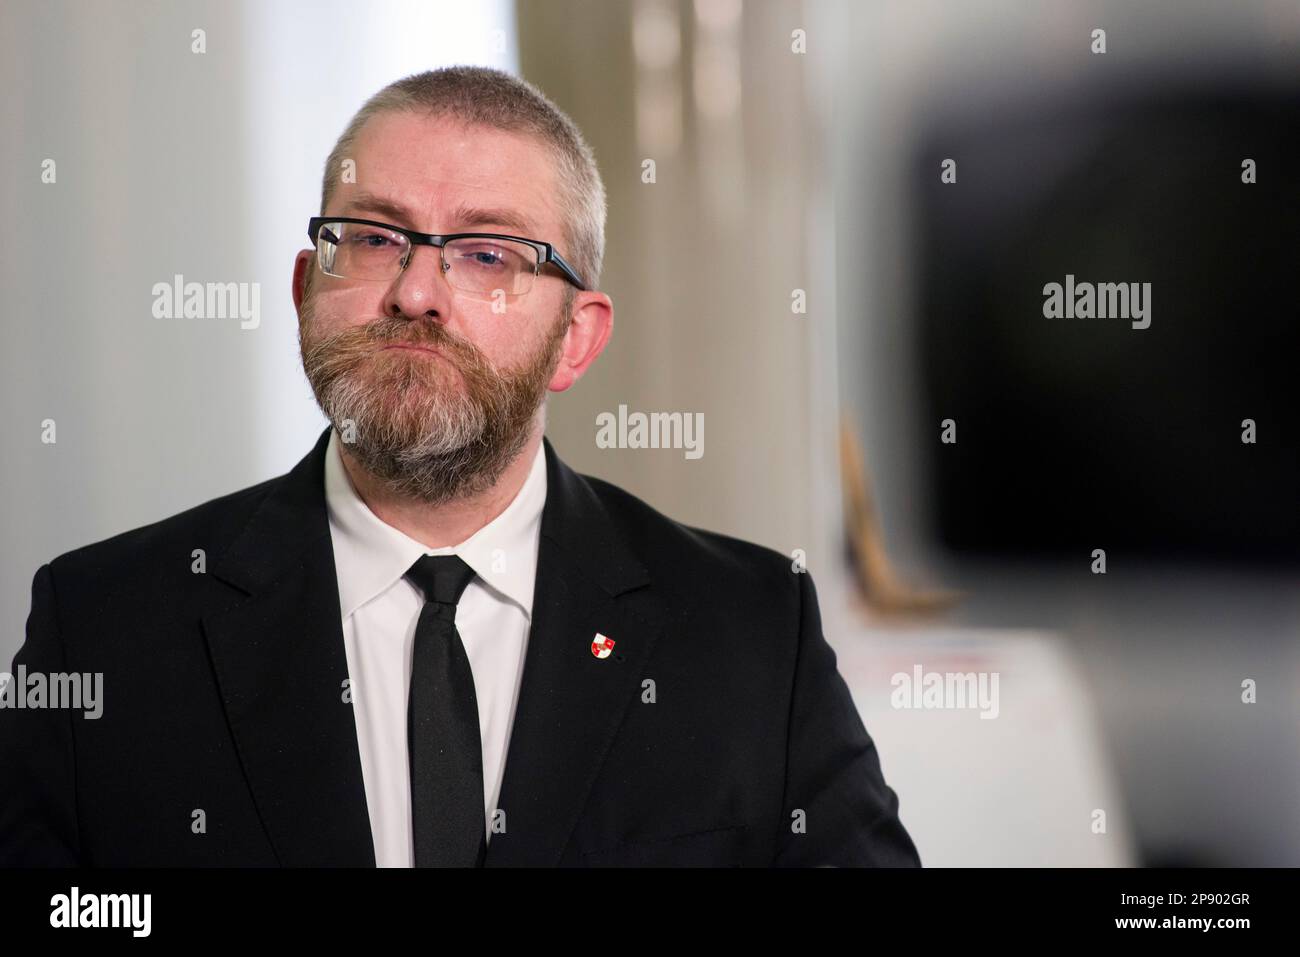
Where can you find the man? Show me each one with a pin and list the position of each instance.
(432, 643)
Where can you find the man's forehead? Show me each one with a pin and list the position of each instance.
(435, 174)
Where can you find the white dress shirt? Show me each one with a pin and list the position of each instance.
(380, 608)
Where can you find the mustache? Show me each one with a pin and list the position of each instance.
(373, 335)
(388, 331)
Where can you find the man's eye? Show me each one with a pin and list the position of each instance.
(491, 257)
(372, 240)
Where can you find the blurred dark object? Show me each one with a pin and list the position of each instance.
(1082, 433)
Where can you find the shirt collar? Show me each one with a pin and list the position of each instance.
(370, 555)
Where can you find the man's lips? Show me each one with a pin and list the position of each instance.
(414, 347)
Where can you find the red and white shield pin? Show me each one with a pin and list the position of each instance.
(602, 646)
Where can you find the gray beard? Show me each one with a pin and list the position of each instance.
(462, 451)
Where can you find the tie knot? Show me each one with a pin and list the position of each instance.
(442, 578)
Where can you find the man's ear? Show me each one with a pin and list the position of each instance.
(588, 333)
(302, 264)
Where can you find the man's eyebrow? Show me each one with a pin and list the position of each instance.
(464, 218)
(467, 217)
(369, 202)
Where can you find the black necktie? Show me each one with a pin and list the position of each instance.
(442, 725)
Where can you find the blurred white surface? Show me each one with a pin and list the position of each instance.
(1016, 790)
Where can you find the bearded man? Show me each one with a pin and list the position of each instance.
(432, 643)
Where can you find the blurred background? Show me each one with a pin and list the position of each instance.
(799, 273)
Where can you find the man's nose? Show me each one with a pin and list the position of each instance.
(422, 288)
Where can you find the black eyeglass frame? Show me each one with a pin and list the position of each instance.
(545, 251)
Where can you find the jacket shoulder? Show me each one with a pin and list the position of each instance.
(673, 549)
(209, 526)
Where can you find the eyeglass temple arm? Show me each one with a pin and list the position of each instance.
(568, 270)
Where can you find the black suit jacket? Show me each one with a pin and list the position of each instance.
(223, 692)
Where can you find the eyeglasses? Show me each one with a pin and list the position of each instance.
(482, 265)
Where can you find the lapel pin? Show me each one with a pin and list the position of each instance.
(602, 646)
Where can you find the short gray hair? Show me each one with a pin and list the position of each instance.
(482, 96)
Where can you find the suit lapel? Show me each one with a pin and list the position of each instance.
(280, 663)
(570, 702)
